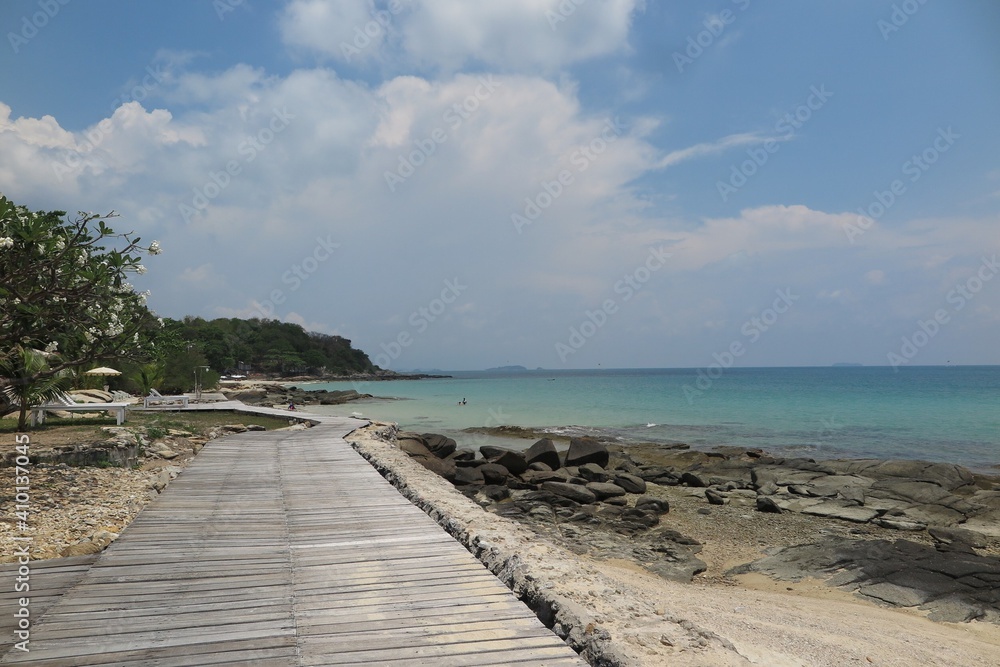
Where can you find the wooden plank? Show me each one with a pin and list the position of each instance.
(199, 653)
(285, 548)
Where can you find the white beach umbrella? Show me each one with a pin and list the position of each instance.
(103, 370)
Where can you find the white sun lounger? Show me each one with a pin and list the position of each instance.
(67, 404)
(157, 397)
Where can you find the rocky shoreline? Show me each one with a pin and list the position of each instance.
(273, 394)
(280, 392)
(596, 562)
(595, 500)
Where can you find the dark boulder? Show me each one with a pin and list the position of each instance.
(543, 451)
(441, 446)
(413, 444)
(512, 461)
(464, 454)
(593, 473)
(714, 497)
(539, 476)
(494, 473)
(641, 517)
(651, 504)
(631, 483)
(605, 490)
(768, 488)
(573, 492)
(691, 479)
(538, 466)
(446, 469)
(587, 450)
(468, 477)
(767, 504)
(491, 452)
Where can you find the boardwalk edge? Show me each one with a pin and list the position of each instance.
(568, 620)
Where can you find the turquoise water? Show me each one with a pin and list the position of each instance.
(935, 413)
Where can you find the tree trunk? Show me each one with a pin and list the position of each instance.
(22, 418)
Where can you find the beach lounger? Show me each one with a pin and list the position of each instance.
(67, 404)
(157, 397)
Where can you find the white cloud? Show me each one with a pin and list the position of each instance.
(322, 175)
(515, 35)
(331, 27)
(713, 147)
(44, 132)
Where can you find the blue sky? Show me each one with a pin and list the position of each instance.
(564, 185)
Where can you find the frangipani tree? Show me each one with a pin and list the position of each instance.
(64, 290)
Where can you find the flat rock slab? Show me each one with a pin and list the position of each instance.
(839, 511)
(953, 586)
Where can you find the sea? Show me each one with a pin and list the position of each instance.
(935, 413)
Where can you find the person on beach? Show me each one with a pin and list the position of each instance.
(462, 402)
(291, 406)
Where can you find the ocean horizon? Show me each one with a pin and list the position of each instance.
(936, 413)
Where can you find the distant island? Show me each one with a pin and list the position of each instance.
(846, 364)
(506, 369)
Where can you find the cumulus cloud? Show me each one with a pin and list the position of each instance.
(517, 35)
(348, 207)
(332, 27)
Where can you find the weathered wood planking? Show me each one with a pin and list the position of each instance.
(285, 548)
(48, 580)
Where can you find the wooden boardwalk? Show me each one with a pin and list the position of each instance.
(287, 548)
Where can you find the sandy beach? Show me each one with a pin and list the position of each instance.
(626, 615)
